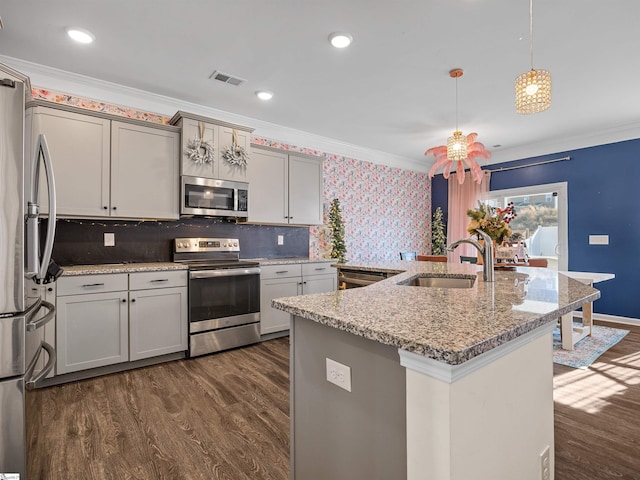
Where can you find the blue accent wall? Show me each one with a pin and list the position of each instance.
(602, 183)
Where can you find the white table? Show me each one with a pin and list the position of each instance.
(570, 334)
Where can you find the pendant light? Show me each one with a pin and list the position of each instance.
(456, 143)
(533, 88)
(460, 150)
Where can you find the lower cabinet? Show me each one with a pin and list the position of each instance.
(114, 318)
(287, 281)
(157, 322)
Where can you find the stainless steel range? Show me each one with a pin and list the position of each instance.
(224, 294)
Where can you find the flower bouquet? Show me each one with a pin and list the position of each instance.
(491, 220)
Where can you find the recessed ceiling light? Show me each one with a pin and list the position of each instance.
(80, 35)
(264, 95)
(340, 39)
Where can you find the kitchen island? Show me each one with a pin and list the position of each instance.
(444, 383)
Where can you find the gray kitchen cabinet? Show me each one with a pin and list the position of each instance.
(108, 168)
(144, 171)
(286, 281)
(277, 281)
(285, 189)
(318, 278)
(218, 135)
(91, 322)
(80, 152)
(158, 313)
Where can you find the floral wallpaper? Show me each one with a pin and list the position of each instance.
(386, 210)
(96, 106)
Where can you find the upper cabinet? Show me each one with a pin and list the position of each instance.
(108, 168)
(204, 142)
(285, 188)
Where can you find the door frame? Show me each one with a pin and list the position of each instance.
(563, 212)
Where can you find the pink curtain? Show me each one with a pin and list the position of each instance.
(462, 198)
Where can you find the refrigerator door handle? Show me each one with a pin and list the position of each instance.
(41, 322)
(32, 382)
(36, 268)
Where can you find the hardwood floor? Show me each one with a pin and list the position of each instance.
(226, 416)
(597, 415)
(223, 416)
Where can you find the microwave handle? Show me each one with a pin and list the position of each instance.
(235, 199)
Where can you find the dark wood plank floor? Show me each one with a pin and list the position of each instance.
(223, 416)
(597, 415)
(226, 416)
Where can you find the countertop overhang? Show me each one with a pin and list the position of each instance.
(451, 325)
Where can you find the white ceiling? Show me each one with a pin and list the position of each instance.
(390, 91)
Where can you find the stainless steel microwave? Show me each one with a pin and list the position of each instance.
(215, 198)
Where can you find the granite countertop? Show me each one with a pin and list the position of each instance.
(451, 325)
(287, 261)
(121, 268)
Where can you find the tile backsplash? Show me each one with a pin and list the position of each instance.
(81, 242)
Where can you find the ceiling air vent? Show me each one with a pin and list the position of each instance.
(226, 78)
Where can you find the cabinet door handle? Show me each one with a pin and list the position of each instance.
(286, 217)
(114, 208)
(133, 300)
(49, 289)
(124, 300)
(304, 283)
(93, 285)
(282, 271)
(299, 283)
(160, 280)
(105, 207)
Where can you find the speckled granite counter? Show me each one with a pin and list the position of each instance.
(121, 268)
(288, 261)
(451, 325)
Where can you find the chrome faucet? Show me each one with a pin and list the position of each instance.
(486, 251)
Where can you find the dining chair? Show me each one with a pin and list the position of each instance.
(464, 259)
(538, 262)
(432, 258)
(408, 255)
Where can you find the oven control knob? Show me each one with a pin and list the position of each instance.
(235, 244)
(224, 244)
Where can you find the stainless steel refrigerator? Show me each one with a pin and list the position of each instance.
(23, 269)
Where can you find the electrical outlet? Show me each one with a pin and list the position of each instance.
(545, 465)
(109, 239)
(339, 374)
(280, 239)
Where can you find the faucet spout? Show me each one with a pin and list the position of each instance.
(485, 250)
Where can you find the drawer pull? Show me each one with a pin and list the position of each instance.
(283, 271)
(319, 269)
(93, 285)
(160, 280)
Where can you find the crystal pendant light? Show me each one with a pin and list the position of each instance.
(533, 88)
(456, 143)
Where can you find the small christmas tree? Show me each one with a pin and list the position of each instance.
(336, 226)
(438, 238)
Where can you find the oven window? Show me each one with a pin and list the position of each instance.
(201, 196)
(219, 297)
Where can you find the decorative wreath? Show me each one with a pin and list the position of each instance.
(235, 154)
(200, 151)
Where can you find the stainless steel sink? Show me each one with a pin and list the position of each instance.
(441, 282)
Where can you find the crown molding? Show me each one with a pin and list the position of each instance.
(81, 85)
(563, 145)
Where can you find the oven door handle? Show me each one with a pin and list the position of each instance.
(231, 272)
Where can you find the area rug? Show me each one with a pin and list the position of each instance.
(588, 349)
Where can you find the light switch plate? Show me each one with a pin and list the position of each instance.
(598, 239)
(280, 239)
(109, 239)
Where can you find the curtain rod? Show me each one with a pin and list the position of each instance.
(531, 164)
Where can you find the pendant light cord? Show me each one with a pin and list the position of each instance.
(456, 104)
(531, 31)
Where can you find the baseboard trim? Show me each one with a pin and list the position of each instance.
(603, 317)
